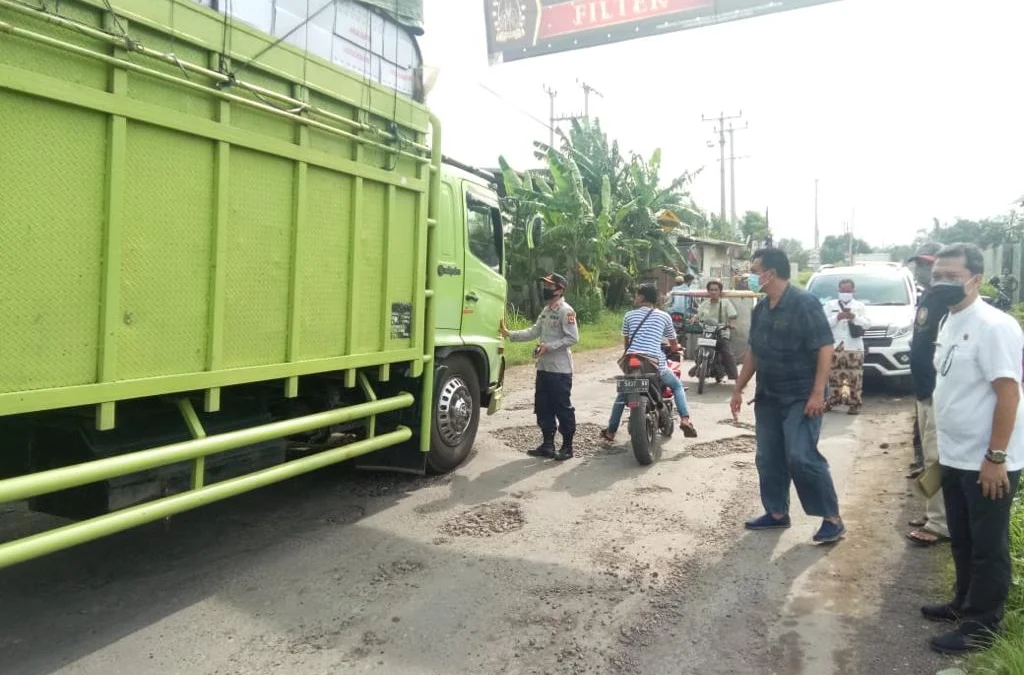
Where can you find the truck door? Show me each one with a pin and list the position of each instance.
(449, 274)
(484, 302)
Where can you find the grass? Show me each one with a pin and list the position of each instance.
(1006, 657)
(603, 333)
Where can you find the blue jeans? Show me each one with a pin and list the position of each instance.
(787, 451)
(669, 379)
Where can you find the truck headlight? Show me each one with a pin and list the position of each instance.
(896, 332)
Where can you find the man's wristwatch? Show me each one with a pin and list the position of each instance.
(996, 456)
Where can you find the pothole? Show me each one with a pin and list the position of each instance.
(486, 520)
(586, 443)
(720, 448)
(651, 489)
(737, 424)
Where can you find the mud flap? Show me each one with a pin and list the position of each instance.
(406, 457)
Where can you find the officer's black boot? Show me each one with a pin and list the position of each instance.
(545, 449)
(565, 452)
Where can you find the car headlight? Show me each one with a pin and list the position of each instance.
(896, 332)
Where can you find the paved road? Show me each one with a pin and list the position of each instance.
(509, 566)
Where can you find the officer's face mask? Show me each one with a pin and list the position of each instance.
(547, 293)
(846, 298)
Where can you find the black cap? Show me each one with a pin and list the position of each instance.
(556, 279)
(925, 253)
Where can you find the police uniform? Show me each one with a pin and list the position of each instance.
(930, 313)
(557, 330)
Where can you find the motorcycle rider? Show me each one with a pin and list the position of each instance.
(719, 311)
(643, 330)
(676, 301)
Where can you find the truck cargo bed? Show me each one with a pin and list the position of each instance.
(170, 224)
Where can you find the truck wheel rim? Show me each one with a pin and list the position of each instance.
(454, 411)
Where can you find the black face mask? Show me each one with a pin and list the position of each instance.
(949, 293)
(547, 293)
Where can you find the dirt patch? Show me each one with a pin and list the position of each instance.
(726, 446)
(486, 520)
(377, 484)
(746, 426)
(396, 570)
(586, 443)
(651, 489)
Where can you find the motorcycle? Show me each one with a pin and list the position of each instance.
(679, 324)
(709, 358)
(650, 403)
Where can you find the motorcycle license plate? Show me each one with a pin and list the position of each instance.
(707, 342)
(633, 386)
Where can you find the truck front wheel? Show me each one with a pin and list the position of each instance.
(456, 415)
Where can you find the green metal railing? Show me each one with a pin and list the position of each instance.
(45, 482)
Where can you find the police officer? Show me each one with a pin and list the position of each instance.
(932, 527)
(557, 332)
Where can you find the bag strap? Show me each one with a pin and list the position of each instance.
(641, 325)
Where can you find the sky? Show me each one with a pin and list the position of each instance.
(903, 110)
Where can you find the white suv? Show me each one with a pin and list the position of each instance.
(890, 294)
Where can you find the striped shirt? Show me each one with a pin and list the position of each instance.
(647, 341)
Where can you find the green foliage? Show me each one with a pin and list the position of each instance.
(835, 249)
(1017, 312)
(754, 228)
(600, 213)
(795, 250)
(605, 331)
(986, 233)
(803, 276)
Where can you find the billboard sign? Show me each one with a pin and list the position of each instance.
(520, 29)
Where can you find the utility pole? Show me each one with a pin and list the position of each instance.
(551, 114)
(853, 213)
(720, 130)
(732, 172)
(587, 91)
(817, 245)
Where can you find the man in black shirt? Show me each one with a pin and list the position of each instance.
(791, 352)
(932, 526)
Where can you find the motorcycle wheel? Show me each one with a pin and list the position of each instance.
(666, 420)
(642, 433)
(702, 372)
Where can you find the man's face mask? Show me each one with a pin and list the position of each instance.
(547, 293)
(846, 297)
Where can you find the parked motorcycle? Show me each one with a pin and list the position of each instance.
(709, 357)
(650, 403)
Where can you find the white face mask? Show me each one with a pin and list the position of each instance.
(846, 297)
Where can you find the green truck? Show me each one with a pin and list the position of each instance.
(229, 257)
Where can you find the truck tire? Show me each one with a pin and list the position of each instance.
(456, 415)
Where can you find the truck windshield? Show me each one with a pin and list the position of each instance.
(871, 289)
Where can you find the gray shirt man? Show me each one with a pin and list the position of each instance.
(557, 330)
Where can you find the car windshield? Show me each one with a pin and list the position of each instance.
(871, 289)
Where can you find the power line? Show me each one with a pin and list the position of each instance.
(720, 130)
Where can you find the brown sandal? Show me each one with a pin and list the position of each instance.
(924, 538)
(688, 429)
(607, 435)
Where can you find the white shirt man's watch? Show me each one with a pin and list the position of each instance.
(996, 456)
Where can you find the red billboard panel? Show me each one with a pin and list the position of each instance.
(519, 29)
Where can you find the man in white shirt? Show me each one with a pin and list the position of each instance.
(847, 317)
(979, 419)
